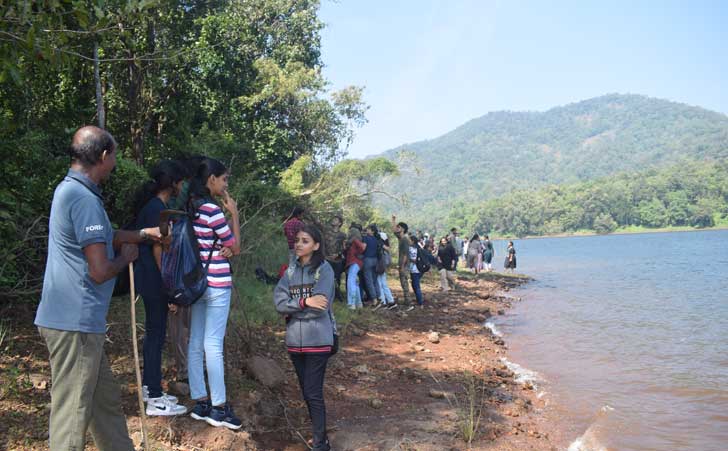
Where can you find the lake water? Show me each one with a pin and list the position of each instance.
(628, 335)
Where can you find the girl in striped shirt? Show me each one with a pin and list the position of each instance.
(210, 313)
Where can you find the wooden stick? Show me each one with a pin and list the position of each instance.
(142, 412)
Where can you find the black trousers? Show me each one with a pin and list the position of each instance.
(310, 369)
(155, 324)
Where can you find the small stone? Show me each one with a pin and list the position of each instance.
(39, 381)
(433, 337)
(340, 388)
(439, 394)
(528, 385)
(362, 369)
(376, 403)
(501, 312)
(418, 348)
(266, 371)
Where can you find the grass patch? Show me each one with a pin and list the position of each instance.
(253, 299)
(469, 405)
(360, 317)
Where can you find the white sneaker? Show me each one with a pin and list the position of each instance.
(145, 395)
(164, 407)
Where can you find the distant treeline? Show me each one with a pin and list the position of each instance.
(693, 194)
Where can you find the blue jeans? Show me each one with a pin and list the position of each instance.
(207, 333)
(387, 297)
(416, 287)
(370, 277)
(353, 298)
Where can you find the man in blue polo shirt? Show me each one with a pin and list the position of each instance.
(80, 273)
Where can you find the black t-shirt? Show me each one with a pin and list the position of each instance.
(147, 277)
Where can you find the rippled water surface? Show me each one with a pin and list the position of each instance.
(630, 333)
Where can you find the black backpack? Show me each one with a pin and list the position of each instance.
(422, 262)
(184, 274)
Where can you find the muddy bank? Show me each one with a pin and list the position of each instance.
(402, 381)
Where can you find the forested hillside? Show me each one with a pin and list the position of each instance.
(504, 151)
(691, 194)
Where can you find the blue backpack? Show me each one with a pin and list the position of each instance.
(184, 277)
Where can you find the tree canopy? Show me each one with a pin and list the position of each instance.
(239, 80)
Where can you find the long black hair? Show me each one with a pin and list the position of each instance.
(198, 183)
(164, 175)
(319, 255)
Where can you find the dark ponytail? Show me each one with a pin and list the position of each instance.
(164, 175)
(198, 191)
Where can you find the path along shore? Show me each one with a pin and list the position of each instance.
(402, 381)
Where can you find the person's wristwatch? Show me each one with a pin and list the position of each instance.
(143, 234)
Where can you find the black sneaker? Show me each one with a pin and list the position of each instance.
(201, 411)
(326, 446)
(224, 416)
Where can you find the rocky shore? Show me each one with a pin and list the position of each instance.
(429, 379)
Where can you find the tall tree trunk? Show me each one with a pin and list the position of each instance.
(100, 110)
(136, 131)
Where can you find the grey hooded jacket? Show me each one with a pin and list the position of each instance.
(308, 329)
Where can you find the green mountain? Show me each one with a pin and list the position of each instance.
(504, 151)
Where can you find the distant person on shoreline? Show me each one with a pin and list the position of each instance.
(456, 241)
(400, 231)
(371, 256)
(510, 262)
(447, 259)
(473, 253)
(335, 240)
(355, 249)
(488, 254)
(415, 273)
(384, 261)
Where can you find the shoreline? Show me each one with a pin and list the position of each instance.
(392, 385)
(622, 232)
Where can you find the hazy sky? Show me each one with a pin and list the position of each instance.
(429, 66)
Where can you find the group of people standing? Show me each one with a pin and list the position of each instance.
(85, 255)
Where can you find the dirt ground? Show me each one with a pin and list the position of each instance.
(401, 381)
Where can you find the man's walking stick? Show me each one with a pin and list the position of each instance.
(142, 412)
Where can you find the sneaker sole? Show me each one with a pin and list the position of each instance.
(165, 413)
(218, 424)
(197, 417)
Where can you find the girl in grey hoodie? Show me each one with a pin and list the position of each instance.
(304, 295)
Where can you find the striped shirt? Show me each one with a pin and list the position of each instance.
(208, 225)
